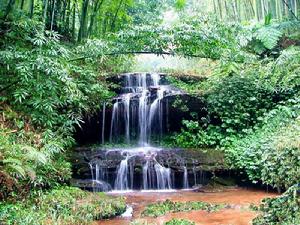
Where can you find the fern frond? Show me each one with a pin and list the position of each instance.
(269, 36)
(35, 155)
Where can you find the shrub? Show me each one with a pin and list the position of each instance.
(271, 152)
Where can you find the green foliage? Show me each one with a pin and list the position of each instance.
(64, 205)
(31, 160)
(41, 81)
(238, 100)
(283, 210)
(162, 208)
(179, 222)
(180, 4)
(271, 152)
(44, 95)
(268, 36)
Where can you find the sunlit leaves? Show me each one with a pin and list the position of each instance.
(269, 36)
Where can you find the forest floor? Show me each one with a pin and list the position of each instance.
(237, 212)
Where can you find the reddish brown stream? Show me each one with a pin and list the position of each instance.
(237, 214)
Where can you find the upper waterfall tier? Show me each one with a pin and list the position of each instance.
(140, 111)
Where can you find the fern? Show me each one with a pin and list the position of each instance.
(269, 36)
(35, 155)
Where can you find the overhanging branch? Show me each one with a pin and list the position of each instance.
(147, 52)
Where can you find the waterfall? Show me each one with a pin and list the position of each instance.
(103, 123)
(139, 113)
(143, 117)
(156, 176)
(99, 177)
(114, 120)
(121, 182)
(163, 177)
(185, 178)
(127, 116)
(146, 184)
(141, 102)
(195, 175)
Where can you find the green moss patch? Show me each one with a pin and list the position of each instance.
(179, 222)
(162, 208)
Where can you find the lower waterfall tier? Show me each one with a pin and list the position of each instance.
(144, 168)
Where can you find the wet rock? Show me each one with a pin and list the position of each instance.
(91, 185)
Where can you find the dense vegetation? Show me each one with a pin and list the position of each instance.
(55, 56)
(62, 206)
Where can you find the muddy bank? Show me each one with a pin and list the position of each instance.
(238, 213)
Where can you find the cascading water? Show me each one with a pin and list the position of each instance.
(139, 114)
(185, 178)
(103, 123)
(122, 175)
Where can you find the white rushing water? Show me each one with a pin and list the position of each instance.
(141, 102)
(139, 113)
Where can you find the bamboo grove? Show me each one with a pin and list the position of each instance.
(246, 10)
(79, 20)
(76, 20)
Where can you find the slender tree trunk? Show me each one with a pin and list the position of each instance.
(22, 5)
(97, 7)
(52, 16)
(290, 10)
(9, 8)
(45, 13)
(113, 24)
(67, 21)
(252, 8)
(220, 8)
(82, 29)
(73, 21)
(31, 8)
(63, 16)
(215, 7)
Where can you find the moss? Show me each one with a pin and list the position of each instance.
(179, 222)
(162, 208)
(65, 205)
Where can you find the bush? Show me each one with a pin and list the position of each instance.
(271, 152)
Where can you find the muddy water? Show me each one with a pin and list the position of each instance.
(237, 214)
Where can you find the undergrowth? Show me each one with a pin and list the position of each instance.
(64, 205)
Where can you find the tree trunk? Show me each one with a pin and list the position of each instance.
(22, 5)
(45, 13)
(31, 8)
(97, 7)
(82, 29)
(73, 21)
(52, 16)
(113, 23)
(67, 21)
(220, 8)
(9, 8)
